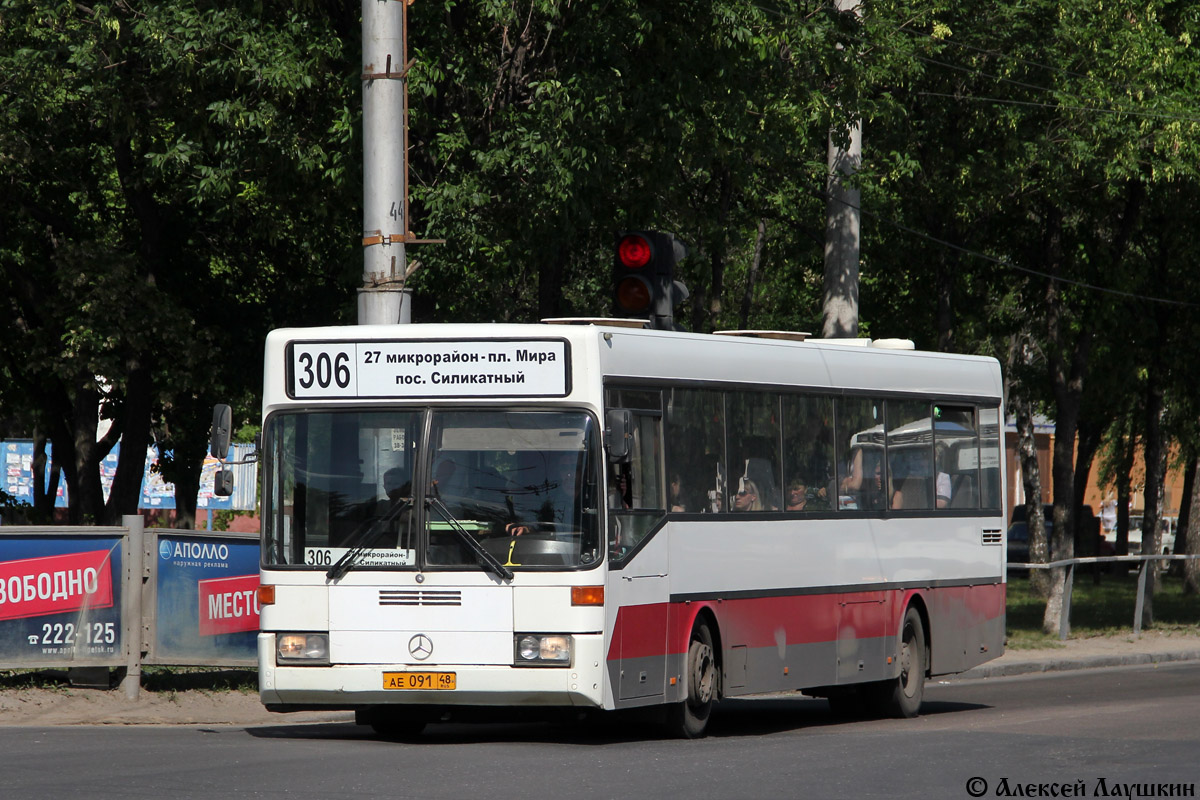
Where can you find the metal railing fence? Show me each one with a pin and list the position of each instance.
(1145, 564)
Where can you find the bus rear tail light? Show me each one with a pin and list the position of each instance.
(587, 595)
(302, 649)
(540, 648)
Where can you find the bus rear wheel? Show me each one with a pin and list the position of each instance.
(902, 696)
(689, 718)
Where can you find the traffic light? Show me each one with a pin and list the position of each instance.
(644, 285)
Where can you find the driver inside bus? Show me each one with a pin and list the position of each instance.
(560, 488)
(397, 485)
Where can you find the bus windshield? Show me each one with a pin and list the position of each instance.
(370, 489)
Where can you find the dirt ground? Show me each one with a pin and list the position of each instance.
(218, 697)
(229, 697)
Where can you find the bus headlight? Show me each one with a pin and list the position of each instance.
(303, 649)
(540, 648)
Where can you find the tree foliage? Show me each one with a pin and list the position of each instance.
(179, 178)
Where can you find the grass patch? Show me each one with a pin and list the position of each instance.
(165, 680)
(1099, 609)
(207, 679)
(47, 680)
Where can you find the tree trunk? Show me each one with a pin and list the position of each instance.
(1124, 491)
(1185, 511)
(1068, 367)
(550, 283)
(1191, 569)
(85, 498)
(1156, 469)
(188, 466)
(45, 493)
(126, 490)
(947, 269)
(1031, 481)
(1087, 525)
(760, 238)
(1063, 545)
(716, 252)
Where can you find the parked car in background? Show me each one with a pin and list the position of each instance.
(1018, 536)
(1166, 524)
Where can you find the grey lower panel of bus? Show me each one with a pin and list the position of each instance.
(755, 670)
(958, 648)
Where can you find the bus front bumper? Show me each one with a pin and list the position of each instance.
(345, 686)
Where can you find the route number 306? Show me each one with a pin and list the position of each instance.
(323, 370)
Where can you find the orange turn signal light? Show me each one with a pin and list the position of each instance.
(587, 595)
(266, 595)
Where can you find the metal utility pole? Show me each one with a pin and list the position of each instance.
(842, 226)
(383, 298)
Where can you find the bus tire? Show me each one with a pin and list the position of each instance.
(689, 718)
(902, 695)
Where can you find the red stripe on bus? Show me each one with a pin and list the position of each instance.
(657, 629)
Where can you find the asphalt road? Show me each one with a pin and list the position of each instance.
(1124, 726)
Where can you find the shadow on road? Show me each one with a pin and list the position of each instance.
(732, 718)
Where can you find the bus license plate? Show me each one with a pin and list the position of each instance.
(419, 680)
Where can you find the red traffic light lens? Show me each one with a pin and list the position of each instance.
(634, 251)
(633, 294)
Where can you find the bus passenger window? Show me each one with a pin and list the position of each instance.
(861, 478)
(695, 435)
(911, 476)
(753, 436)
(809, 483)
(957, 443)
(990, 460)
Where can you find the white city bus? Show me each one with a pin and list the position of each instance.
(597, 517)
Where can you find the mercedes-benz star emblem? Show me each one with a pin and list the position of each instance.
(421, 647)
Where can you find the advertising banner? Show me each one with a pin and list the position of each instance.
(60, 600)
(17, 457)
(207, 605)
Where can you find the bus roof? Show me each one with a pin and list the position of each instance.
(598, 353)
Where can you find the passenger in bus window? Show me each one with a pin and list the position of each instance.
(396, 484)
(675, 500)
(801, 497)
(943, 489)
(618, 488)
(868, 490)
(398, 487)
(747, 498)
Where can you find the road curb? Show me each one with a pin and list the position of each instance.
(1067, 663)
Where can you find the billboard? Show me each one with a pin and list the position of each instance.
(206, 607)
(60, 600)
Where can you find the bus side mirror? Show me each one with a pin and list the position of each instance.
(223, 483)
(618, 435)
(218, 443)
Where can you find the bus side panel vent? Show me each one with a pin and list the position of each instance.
(992, 537)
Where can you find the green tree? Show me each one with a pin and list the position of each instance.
(174, 179)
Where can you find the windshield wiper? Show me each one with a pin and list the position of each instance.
(485, 558)
(367, 538)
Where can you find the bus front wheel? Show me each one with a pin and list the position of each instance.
(689, 718)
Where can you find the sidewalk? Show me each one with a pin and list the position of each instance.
(1151, 647)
